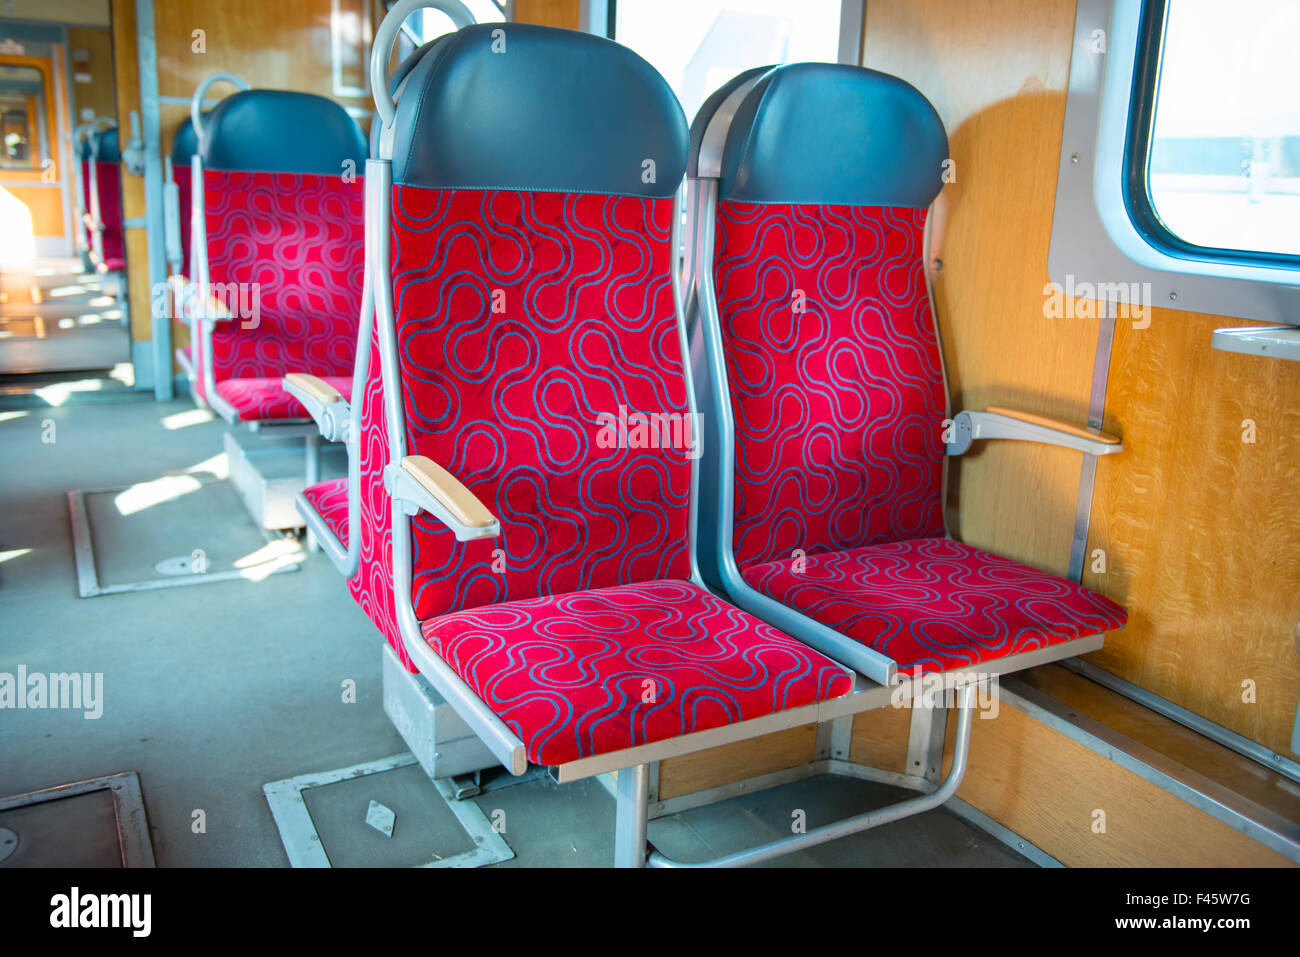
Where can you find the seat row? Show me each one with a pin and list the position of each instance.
(647, 425)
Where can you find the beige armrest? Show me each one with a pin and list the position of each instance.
(318, 389)
(1051, 422)
(460, 503)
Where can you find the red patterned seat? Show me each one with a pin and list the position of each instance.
(283, 242)
(835, 388)
(265, 399)
(330, 500)
(612, 668)
(520, 316)
(101, 177)
(932, 604)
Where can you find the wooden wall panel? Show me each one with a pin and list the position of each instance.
(1046, 788)
(880, 739)
(549, 13)
(284, 45)
(99, 94)
(997, 71)
(127, 70)
(734, 762)
(1200, 528)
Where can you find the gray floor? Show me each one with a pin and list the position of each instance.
(212, 691)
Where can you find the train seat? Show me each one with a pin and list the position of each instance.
(326, 509)
(278, 249)
(822, 360)
(101, 172)
(329, 501)
(543, 582)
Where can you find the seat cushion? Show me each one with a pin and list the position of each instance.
(933, 604)
(330, 500)
(261, 400)
(596, 671)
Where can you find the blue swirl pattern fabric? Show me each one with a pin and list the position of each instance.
(521, 318)
(835, 378)
(932, 604)
(837, 390)
(614, 668)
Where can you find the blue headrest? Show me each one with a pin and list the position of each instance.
(710, 106)
(537, 108)
(832, 134)
(186, 142)
(276, 131)
(106, 140)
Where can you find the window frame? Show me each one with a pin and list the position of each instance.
(1144, 102)
(601, 16)
(1094, 239)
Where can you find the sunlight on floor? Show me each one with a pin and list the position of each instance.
(145, 495)
(183, 420)
(123, 372)
(7, 416)
(271, 557)
(14, 553)
(218, 466)
(58, 393)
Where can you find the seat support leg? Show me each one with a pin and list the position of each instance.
(630, 818)
(925, 740)
(862, 822)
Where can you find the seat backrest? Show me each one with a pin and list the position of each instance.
(532, 201)
(107, 170)
(282, 202)
(831, 357)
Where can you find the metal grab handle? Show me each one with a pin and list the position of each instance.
(200, 94)
(386, 36)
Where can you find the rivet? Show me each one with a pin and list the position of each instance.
(937, 265)
(1173, 297)
(1074, 158)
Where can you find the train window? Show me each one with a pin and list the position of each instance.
(427, 24)
(1214, 139)
(698, 45)
(22, 114)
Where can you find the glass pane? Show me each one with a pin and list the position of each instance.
(1225, 157)
(22, 117)
(698, 45)
(434, 23)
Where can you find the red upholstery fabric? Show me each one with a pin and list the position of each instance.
(183, 176)
(521, 317)
(330, 500)
(933, 604)
(613, 668)
(372, 586)
(108, 177)
(838, 408)
(298, 240)
(264, 400)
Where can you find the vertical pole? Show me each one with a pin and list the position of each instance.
(630, 820)
(150, 122)
(313, 476)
